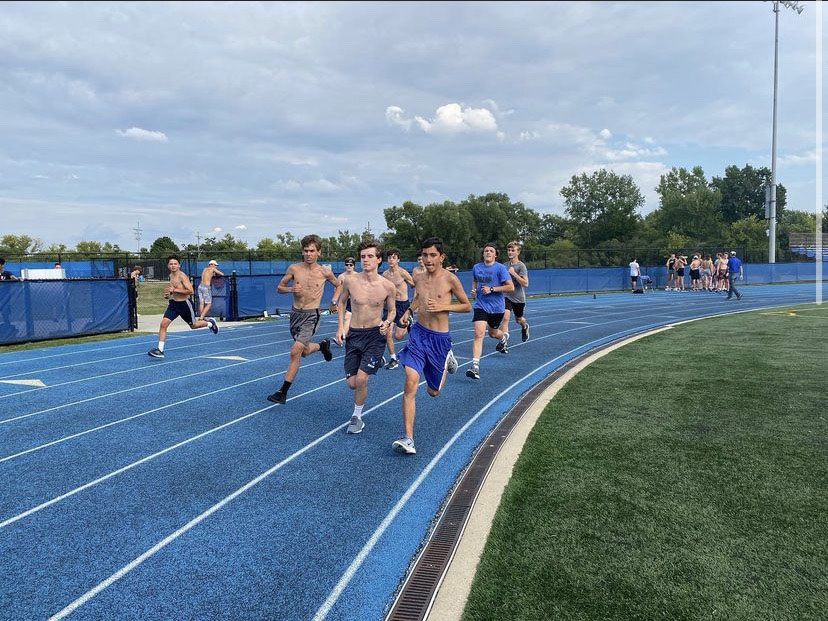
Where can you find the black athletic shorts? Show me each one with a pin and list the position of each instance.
(180, 309)
(364, 348)
(493, 319)
(515, 307)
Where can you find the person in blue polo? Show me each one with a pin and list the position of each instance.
(490, 280)
(735, 270)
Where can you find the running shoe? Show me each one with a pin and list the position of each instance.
(404, 445)
(451, 363)
(473, 373)
(277, 397)
(325, 348)
(503, 345)
(356, 425)
(213, 325)
(392, 365)
(524, 333)
(156, 353)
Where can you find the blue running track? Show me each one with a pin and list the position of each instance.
(136, 488)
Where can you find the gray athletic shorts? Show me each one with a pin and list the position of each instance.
(205, 295)
(303, 324)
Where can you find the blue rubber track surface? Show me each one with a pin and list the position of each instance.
(136, 488)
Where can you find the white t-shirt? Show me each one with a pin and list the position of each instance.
(635, 269)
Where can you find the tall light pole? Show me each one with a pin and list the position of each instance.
(791, 4)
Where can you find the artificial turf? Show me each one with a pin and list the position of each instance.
(682, 476)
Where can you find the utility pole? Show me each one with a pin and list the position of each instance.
(198, 245)
(137, 231)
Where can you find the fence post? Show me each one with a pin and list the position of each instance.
(249, 264)
(234, 297)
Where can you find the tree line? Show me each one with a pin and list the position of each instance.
(602, 213)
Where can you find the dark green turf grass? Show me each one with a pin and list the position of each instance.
(682, 476)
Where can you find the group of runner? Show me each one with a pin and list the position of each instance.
(374, 310)
(706, 274)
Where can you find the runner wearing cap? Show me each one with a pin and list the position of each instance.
(205, 295)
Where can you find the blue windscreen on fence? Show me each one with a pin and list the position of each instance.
(95, 268)
(35, 310)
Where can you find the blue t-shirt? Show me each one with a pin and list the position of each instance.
(494, 275)
(734, 265)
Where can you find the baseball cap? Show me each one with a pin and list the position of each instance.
(732, 252)
(213, 262)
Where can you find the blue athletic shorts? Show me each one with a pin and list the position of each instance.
(426, 353)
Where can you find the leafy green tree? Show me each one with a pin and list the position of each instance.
(750, 233)
(689, 206)
(454, 225)
(743, 192)
(89, 247)
(552, 228)
(495, 218)
(602, 207)
(20, 244)
(163, 246)
(56, 248)
(405, 227)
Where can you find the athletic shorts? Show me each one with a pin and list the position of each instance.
(680, 271)
(364, 348)
(515, 307)
(205, 294)
(180, 309)
(426, 352)
(694, 274)
(493, 319)
(303, 324)
(402, 307)
(634, 278)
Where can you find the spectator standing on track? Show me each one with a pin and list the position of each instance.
(429, 345)
(334, 307)
(4, 273)
(735, 270)
(516, 300)
(681, 261)
(695, 273)
(308, 280)
(493, 280)
(635, 272)
(178, 292)
(369, 294)
(671, 271)
(401, 279)
(721, 271)
(205, 293)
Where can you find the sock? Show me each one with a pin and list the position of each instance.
(161, 346)
(475, 362)
(358, 410)
(285, 387)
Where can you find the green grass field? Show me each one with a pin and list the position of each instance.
(683, 476)
(151, 299)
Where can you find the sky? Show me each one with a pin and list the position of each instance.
(255, 119)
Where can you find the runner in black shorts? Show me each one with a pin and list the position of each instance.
(179, 291)
(401, 280)
(368, 293)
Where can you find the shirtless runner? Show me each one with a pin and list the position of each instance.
(401, 280)
(369, 294)
(308, 286)
(429, 345)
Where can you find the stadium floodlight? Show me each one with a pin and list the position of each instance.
(798, 7)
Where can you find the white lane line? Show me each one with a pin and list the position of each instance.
(225, 357)
(144, 460)
(143, 353)
(200, 518)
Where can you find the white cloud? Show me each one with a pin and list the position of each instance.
(394, 116)
(605, 134)
(793, 159)
(632, 151)
(136, 133)
(455, 119)
(240, 227)
(218, 229)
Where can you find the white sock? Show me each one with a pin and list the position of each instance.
(160, 345)
(358, 410)
(475, 362)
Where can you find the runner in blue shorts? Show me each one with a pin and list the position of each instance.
(429, 345)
